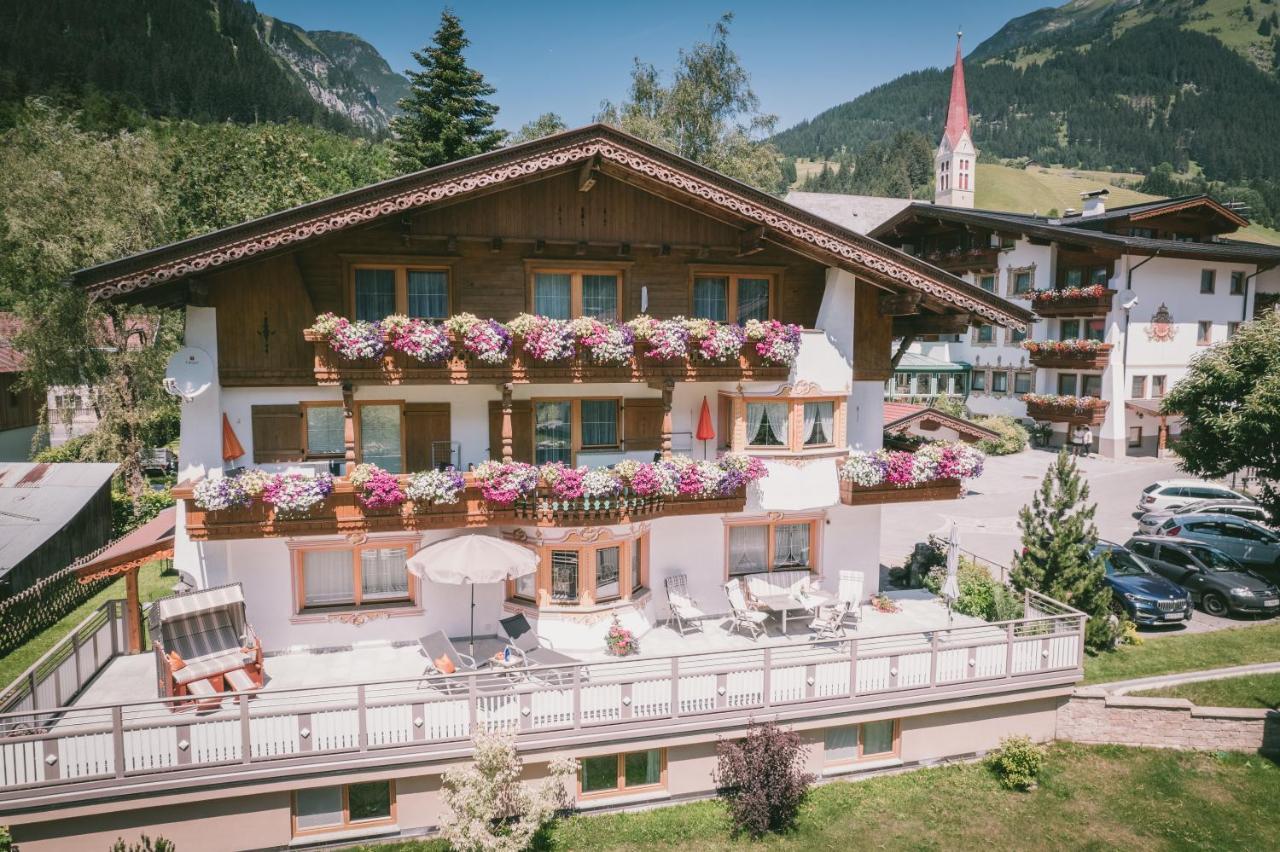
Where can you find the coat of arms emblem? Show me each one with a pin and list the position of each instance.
(1161, 328)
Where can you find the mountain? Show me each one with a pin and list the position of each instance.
(206, 60)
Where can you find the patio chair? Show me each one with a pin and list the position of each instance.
(203, 635)
(850, 594)
(828, 622)
(442, 657)
(685, 611)
(525, 642)
(744, 617)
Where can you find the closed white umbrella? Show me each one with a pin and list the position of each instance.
(469, 559)
(951, 585)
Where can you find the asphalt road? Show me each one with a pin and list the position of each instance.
(987, 516)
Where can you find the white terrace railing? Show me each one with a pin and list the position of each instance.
(105, 746)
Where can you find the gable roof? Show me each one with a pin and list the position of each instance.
(860, 213)
(900, 415)
(1161, 207)
(608, 148)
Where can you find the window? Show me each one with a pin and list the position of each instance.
(379, 290)
(999, 382)
(321, 809)
(609, 569)
(979, 382)
(1139, 387)
(869, 741)
(1237, 283)
(1068, 384)
(1207, 280)
(1232, 328)
(569, 293)
(1204, 333)
(767, 424)
(1143, 548)
(1157, 386)
(378, 435)
(347, 577)
(564, 427)
(785, 545)
(957, 384)
(1135, 436)
(1016, 336)
(986, 333)
(1069, 329)
(1095, 329)
(1022, 280)
(1022, 383)
(1074, 277)
(323, 430)
(552, 432)
(1091, 385)
(599, 422)
(819, 418)
(732, 296)
(1147, 233)
(988, 283)
(610, 774)
(1098, 275)
(902, 383)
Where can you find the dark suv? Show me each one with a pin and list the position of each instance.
(1146, 598)
(1220, 584)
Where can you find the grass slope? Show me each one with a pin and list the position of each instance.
(1100, 797)
(1041, 189)
(1260, 692)
(1187, 652)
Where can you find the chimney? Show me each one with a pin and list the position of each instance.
(1095, 202)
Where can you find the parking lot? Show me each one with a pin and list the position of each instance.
(988, 515)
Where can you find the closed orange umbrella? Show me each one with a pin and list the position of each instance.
(706, 431)
(231, 448)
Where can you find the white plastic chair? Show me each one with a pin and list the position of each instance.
(743, 616)
(850, 594)
(685, 611)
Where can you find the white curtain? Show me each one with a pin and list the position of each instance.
(607, 582)
(791, 545)
(777, 414)
(748, 550)
(552, 295)
(383, 575)
(821, 415)
(327, 578)
(755, 416)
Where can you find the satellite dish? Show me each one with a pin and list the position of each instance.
(188, 373)
(1128, 299)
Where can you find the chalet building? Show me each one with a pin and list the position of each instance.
(316, 681)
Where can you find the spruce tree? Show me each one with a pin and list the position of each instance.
(445, 115)
(1057, 560)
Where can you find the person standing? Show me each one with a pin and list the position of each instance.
(1073, 439)
(1086, 440)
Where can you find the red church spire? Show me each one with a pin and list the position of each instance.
(958, 108)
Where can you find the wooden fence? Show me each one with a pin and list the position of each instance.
(43, 605)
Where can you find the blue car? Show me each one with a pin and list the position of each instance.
(1144, 596)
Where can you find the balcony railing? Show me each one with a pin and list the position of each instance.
(1073, 302)
(1068, 409)
(342, 512)
(886, 492)
(1045, 354)
(109, 749)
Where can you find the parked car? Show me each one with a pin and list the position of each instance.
(1247, 509)
(1218, 583)
(1248, 543)
(1146, 597)
(1176, 493)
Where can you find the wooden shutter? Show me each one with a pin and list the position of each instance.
(521, 430)
(642, 424)
(425, 423)
(277, 433)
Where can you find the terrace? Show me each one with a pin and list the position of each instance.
(376, 702)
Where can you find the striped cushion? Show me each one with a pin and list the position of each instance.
(214, 665)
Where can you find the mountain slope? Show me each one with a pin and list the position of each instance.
(206, 60)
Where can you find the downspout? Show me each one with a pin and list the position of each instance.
(1244, 306)
(1128, 286)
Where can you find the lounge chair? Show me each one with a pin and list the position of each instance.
(743, 617)
(525, 642)
(685, 611)
(203, 635)
(850, 594)
(442, 657)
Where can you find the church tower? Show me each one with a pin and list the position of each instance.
(954, 166)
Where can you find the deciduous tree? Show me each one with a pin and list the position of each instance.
(544, 125)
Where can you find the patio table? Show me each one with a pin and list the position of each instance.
(785, 603)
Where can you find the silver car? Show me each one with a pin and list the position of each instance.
(1248, 543)
(1247, 509)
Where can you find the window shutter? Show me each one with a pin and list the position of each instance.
(277, 433)
(642, 424)
(521, 430)
(425, 424)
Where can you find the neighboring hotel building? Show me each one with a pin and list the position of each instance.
(1127, 296)
(350, 734)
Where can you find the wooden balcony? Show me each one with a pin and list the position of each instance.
(966, 260)
(397, 368)
(1068, 412)
(875, 495)
(343, 513)
(1094, 359)
(1089, 306)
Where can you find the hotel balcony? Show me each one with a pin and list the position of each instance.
(1073, 302)
(1051, 355)
(875, 495)
(1087, 411)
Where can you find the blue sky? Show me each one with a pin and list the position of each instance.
(565, 57)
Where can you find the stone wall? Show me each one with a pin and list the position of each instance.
(1093, 715)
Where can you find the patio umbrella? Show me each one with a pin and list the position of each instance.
(706, 431)
(231, 449)
(466, 560)
(951, 586)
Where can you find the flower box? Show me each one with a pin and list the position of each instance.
(1067, 410)
(874, 495)
(1093, 302)
(1068, 358)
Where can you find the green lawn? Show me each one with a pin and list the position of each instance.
(1261, 691)
(1091, 797)
(1187, 652)
(151, 585)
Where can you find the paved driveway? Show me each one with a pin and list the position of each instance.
(988, 515)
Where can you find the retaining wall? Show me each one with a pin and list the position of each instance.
(1093, 715)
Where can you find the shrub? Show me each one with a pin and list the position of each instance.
(489, 808)
(128, 514)
(1017, 763)
(981, 595)
(1013, 436)
(145, 845)
(72, 450)
(761, 779)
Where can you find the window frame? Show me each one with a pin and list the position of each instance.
(1233, 328)
(815, 523)
(347, 823)
(622, 789)
(402, 265)
(576, 445)
(356, 408)
(977, 334)
(1238, 283)
(1163, 383)
(860, 756)
(734, 274)
(1014, 272)
(1204, 332)
(587, 561)
(793, 441)
(1138, 382)
(576, 270)
(306, 449)
(297, 557)
(1135, 437)
(1208, 277)
(1028, 376)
